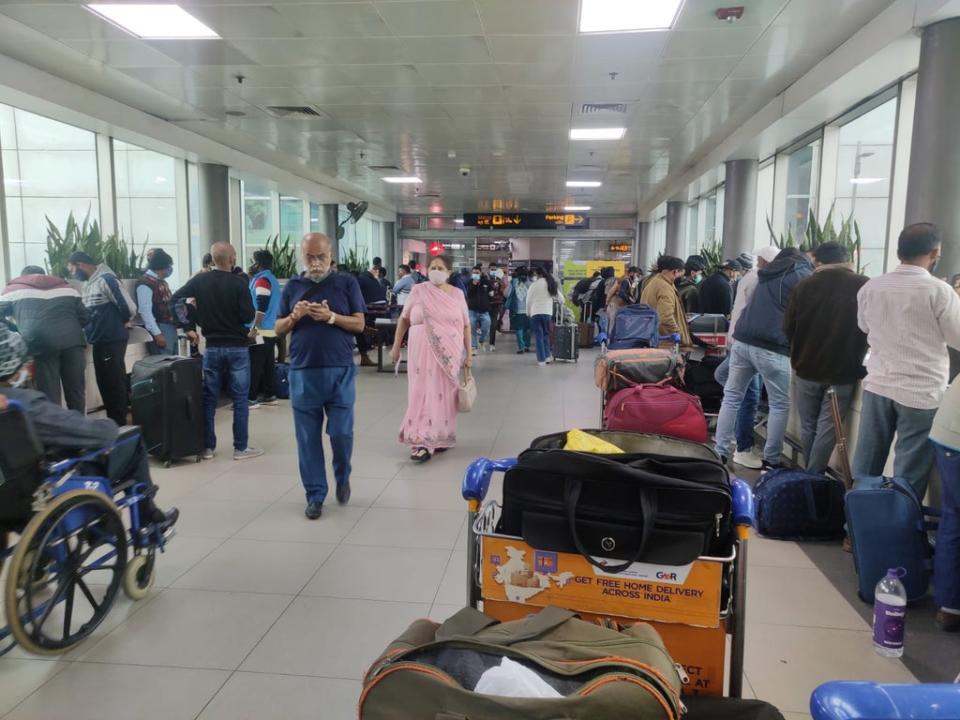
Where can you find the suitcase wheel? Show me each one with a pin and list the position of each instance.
(166, 463)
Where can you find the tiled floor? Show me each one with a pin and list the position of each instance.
(260, 613)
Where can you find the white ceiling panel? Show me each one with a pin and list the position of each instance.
(557, 49)
(432, 17)
(455, 74)
(122, 53)
(498, 82)
(349, 20)
(469, 49)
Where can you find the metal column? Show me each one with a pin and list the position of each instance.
(644, 254)
(388, 243)
(329, 219)
(739, 207)
(214, 186)
(675, 228)
(934, 184)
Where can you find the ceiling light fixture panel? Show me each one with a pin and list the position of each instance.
(865, 180)
(584, 183)
(152, 21)
(621, 16)
(403, 180)
(612, 133)
(576, 208)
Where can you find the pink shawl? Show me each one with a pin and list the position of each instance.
(443, 320)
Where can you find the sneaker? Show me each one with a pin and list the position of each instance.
(550, 359)
(484, 347)
(169, 519)
(948, 621)
(314, 510)
(493, 348)
(542, 363)
(343, 493)
(254, 404)
(249, 452)
(208, 454)
(270, 400)
(520, 352)
(766, 467)
(747, 459)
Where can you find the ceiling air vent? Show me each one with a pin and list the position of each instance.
(294, 112)
(594, 108)
(384, 168)
(429, 195)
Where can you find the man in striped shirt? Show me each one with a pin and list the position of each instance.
(910, 318)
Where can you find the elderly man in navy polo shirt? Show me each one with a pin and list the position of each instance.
(322, 310)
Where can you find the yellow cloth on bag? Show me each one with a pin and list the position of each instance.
(584, 442)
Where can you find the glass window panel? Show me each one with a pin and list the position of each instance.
(765, 177)
(257, 217)
(197, 246)
(8, 131)
(58, 173)
(693, 222)
(710, 224)
(314, 217)
(11, 173)
(35, 132)
(291, 217)
(802, 173)
(15, 223)
(37, 210)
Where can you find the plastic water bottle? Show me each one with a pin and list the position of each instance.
(889, 615)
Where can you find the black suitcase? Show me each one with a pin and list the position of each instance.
(706, 707)
(699, 380)
(167, 399)
(565, 345)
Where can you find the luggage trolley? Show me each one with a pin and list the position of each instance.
(74, 553)
(697, 642)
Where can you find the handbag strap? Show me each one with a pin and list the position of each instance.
(648, 509)
(543, 622)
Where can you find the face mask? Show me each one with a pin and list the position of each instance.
(81, 276)
(697, 279)
(319, 277)
(476, 277)
(21, 380)
(438, 277)
(498, 274)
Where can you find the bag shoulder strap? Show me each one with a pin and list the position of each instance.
(468, 621)
(533, 627)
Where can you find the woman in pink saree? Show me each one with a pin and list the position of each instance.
(437, 350)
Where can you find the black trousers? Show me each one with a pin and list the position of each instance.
(65, 368)
(496, 312)
(110, 366)
(262, 360)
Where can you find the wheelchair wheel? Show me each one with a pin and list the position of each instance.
(66, 572)
(139, 575)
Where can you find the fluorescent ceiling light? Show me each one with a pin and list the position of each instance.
(458, 221)
(865, 180)
(156, 22)
(611, 16)
(597, 133)
(403, 180)
(576, 208)
(584, 183)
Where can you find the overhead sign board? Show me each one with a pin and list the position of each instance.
(620, 247)
(526, 221)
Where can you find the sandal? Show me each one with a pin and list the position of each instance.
(420, 455)
(440, 450)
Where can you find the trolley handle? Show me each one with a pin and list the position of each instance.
(743, 510)
(836, 700)
(476, 480)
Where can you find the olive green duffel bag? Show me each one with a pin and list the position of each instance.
(430, 672)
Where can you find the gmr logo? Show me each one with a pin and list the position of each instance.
(666, 576)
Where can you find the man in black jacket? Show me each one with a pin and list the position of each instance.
(688, 285)
(716, 292)
(762, 348)
(224, 309)
(479, 292)
(826, 348)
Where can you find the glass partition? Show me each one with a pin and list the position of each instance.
(49, 172)
(801, 187)
(257, 219)
(291, 218)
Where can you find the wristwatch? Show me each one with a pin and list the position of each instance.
(333, 318)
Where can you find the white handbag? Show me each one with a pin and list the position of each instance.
(467, 392)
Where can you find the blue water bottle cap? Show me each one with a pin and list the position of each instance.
(897, 572)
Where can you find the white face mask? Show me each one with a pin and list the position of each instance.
(438, 277)
(21, 380)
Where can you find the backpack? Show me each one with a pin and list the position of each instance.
(430, 671)
(888, 528)
(796, 505)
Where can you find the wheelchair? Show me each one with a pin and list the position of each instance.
(74, 552)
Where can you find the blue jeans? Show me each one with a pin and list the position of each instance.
(520, 323)
(946, 561)
(541, 333)
(746, 361)
(747, 415)
(169, 333)
(234, 362)
(880, 419)
(315, 392)
(483, 320)
(818, 436)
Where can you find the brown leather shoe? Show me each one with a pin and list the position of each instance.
(948, 622)
(365, 361)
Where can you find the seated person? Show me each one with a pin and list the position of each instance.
(65, 432)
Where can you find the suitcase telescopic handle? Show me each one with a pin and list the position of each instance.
(648, 510)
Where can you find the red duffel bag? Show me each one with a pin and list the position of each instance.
(658, 409)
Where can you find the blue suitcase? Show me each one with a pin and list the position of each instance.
(796, 505)
(888, 528)
(636, 326)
